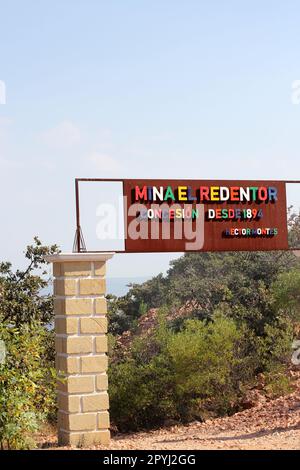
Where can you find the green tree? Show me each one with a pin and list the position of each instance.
(286, 292)
(21, 297)
(27, 375)
(27, 384)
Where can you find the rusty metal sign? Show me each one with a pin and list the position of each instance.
(197, 215)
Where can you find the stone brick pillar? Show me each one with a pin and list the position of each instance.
(81, 347)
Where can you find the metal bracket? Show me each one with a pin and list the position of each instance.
(79, 243)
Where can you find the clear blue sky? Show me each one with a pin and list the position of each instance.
(123, 88)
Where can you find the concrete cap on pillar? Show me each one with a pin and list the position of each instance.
(65, 257)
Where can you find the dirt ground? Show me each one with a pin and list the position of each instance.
(269, 425)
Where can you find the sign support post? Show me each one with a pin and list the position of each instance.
(81, 345)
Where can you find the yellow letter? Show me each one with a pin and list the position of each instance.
(214, 193)
(182, 190)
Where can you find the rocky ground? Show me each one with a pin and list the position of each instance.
(271, 424)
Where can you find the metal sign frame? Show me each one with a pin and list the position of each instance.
(79, 244)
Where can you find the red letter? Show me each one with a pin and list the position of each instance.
(141, 194)
(204, 193)
(234, 193)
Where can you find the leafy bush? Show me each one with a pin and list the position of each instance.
(286, 293)
(274, 351)
(27, 376)
(27, 383)
(119, 321)
(180, 375)
(277, 383)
